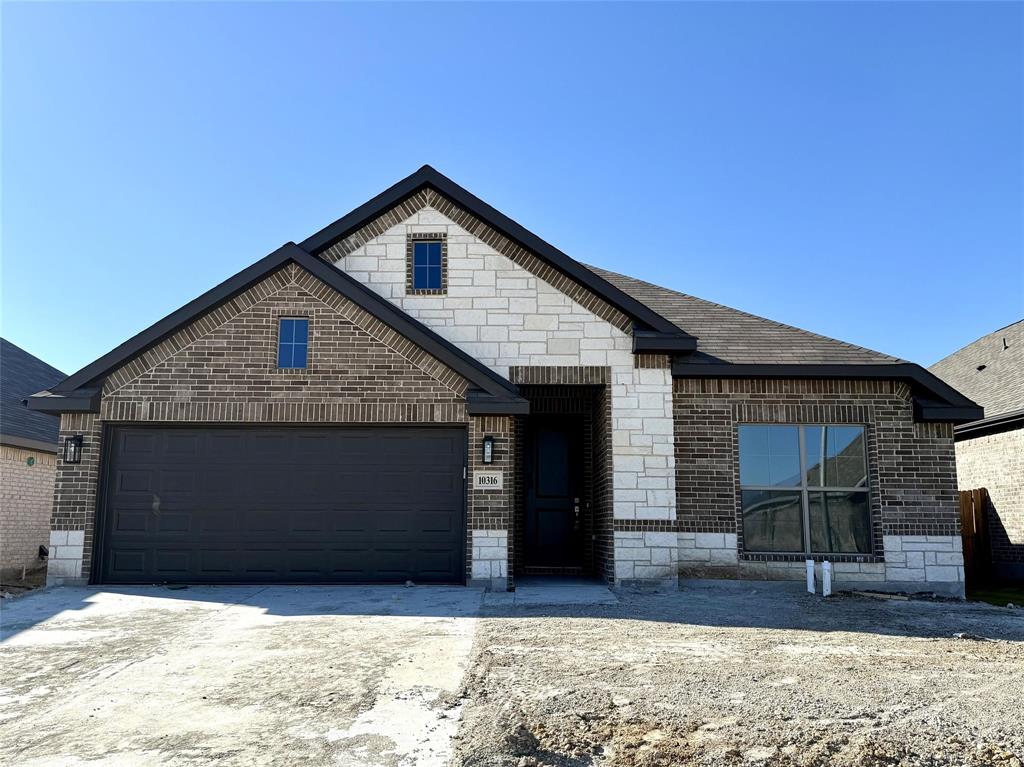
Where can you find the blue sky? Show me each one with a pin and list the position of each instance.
(857, 170)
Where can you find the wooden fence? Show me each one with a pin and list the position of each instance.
(974, 529)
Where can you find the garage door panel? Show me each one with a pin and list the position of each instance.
(170, 523)
(435, 522)
(262, 561)
(216, 561)
(128, 562)
(306, 561)
(176, 482)
(440, 561)
(138, 443)
(172, 561)
(129, 520)
(284, 504)
(182, 444)
(212, 522)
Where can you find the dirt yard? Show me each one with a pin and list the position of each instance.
(726, 677)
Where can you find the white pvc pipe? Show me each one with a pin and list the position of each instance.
(826, 579)
(810, 576)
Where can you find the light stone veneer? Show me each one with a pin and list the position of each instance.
(490, 559)
(646, 557)
(703, 551)
(504, 316)
(912, 563)
(925, 559)
(64, 566)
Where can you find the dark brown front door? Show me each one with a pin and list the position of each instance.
(553, 534)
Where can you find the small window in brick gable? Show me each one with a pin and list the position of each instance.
(293, 343)
(427, 264)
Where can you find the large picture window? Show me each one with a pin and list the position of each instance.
(804, 489)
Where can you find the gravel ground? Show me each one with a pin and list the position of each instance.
(750, 676)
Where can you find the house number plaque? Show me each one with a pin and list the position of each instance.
(489, 480)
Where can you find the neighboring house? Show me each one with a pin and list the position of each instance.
(28, 462)
(426, 390)
(990, 451)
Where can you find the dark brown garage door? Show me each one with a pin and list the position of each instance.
(283, 505)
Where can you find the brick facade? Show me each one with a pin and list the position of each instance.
(26, 498)
(996, 462)
(661, 454)
(222, 369)
(72, 523)
(911, 473)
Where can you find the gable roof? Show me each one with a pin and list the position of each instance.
(80, 391)
(732, 336)
(656, 333)
(733, 343)
(990, 370)
(21, 375)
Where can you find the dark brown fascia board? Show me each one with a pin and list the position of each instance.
(471, 369)
(73, 401)
(678, 341)
(25, 443)
(482, 403)
(991, 425)
(935, 399)
(648, 342)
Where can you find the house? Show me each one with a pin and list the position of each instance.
(28, 461)
(990, 451)
(426, 390)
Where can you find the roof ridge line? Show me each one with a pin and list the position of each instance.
(976, 340)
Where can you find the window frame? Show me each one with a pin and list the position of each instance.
(804, 488)
(411, 241)
(277, 348)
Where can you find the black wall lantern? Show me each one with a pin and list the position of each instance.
(488, 456)
(73, 449)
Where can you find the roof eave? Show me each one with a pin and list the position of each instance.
(648, 342)
(74, 401)
(992, 425)
(482, 403)
(67, 397)
(935, 400)
(26, 443)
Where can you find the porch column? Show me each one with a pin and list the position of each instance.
(489, 504)
(646, 548)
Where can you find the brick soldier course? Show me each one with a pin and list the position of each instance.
(519, 332)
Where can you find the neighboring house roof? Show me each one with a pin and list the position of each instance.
(22, 375)
(991, 372)
(729, 335)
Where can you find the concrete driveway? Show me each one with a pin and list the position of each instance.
(233, 675)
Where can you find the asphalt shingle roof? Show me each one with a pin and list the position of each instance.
(729, 335)
(990, 370)
(22, 375)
